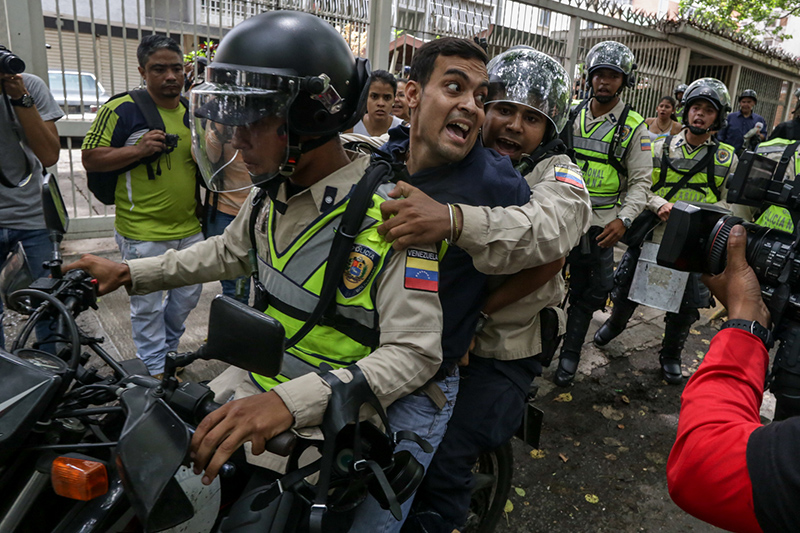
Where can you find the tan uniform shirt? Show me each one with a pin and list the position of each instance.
(514, 332)
(638, 162)
(654, 202)
(507, 240)
(410, 320)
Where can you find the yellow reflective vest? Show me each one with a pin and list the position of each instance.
(703, 186)
(293, 279)
(592, 153)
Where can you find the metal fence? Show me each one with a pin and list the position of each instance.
(97, 40)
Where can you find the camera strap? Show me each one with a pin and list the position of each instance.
(17, 128)
(706, 161)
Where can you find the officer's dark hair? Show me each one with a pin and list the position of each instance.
(383, 76)
(152, 44)
(425, 58)
(673, 103)
(405, 80)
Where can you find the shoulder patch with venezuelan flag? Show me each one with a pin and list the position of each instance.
(645, 144)
(422, 270)
(570, 176)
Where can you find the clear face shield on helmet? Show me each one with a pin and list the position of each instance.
(239, 128)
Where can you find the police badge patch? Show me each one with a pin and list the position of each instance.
(359, 270)
(723, 155)
(626, 132)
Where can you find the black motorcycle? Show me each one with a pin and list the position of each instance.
(100, 451)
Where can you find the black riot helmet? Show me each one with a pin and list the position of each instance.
(613, 55)
(748, 93)
(680, 89)
(284, 64)
(714, 91)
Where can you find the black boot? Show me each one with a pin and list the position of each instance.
(620, 314)
(578, 320)
(675, 334)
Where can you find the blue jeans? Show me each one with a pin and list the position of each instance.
(158, 326)
(216, 222)
(415, 412)
(38, 248)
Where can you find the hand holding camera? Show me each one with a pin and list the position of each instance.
(738, 288)
(153, 142)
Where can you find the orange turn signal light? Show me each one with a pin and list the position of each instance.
(78, 479)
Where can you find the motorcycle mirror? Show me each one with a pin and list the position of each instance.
(243, 337)
(15, 274)
(151, 448)
(55, 214)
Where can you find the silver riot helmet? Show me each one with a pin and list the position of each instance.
(526, 76)
(714, 91)
(680, 89)
(613, 55)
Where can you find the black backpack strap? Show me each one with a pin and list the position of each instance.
(568, 132)
(616, 140)
(256, 202)
(360, 200)
(148, 107)
(710, 175)
(786, 157)
(662, 177)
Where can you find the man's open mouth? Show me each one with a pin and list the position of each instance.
(459, 129)
(507, 146)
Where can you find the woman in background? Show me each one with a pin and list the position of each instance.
(665, 122)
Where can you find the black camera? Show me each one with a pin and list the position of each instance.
(10, 63)
(696, 240)
(171, 141)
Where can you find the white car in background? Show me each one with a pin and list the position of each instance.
(94, 94)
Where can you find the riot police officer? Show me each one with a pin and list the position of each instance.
(679, 91)
(283, 99)
(612, 147)
(691, 166)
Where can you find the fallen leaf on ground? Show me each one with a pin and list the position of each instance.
(563, 397)
(609, 412)
(642, 413)
(700, 354)
(538, 454)
(563, 457)
(657, 458)
(611, 457)
(591, 498)
(705, 341)
(622, 449)
(694, 332)
(520, 492)
(625, 399)
(611, 441)
(509, 507)
(621, 426)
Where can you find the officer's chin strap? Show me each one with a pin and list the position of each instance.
(529, 161)
(699, 131)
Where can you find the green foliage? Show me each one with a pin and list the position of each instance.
(742, 15)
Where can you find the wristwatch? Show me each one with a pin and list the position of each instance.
(626, 222)
(25, 100)
(753, 327)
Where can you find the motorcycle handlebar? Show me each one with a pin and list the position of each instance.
(282, 444)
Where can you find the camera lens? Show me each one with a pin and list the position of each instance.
(11, 63)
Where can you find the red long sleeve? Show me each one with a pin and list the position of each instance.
(707, 468)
